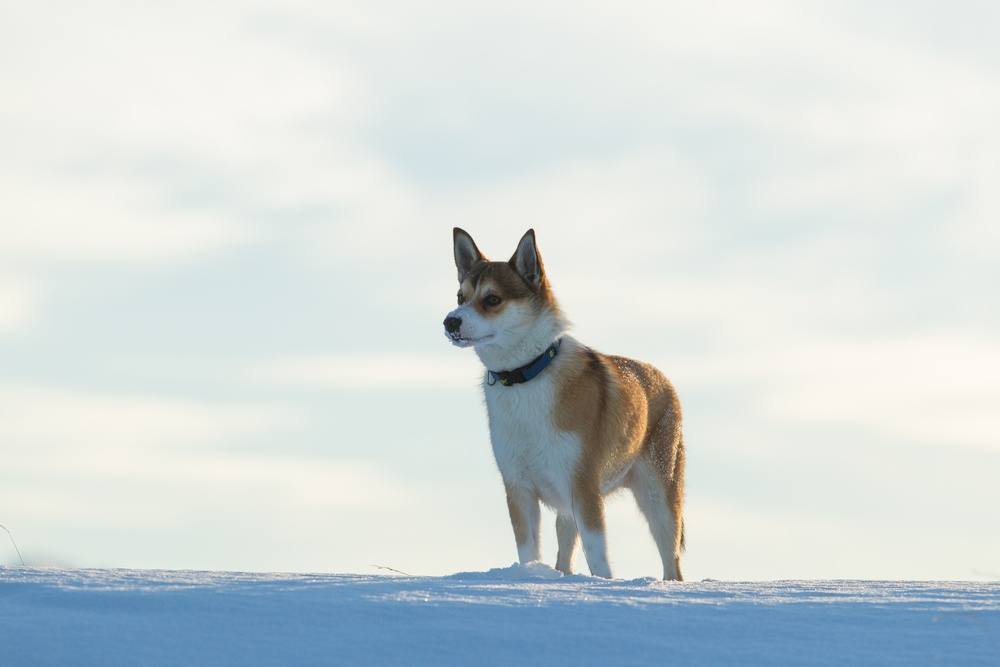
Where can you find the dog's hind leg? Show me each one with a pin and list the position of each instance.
(525, 515)
(657, 481)
(568, 536)
(651, 496)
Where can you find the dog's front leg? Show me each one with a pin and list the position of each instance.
(524, 518)
(588, 508)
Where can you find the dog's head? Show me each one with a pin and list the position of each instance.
(499, 303)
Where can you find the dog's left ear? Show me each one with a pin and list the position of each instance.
(526, 260)
(467, 254)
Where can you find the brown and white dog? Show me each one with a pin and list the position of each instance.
(568, 425)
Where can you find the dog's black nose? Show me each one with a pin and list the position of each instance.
(452, 324)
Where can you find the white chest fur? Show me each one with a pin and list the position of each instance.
(529, 450)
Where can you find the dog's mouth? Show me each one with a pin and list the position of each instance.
(462, 341)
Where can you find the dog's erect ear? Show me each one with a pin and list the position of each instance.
(466, 253)
(526, 260)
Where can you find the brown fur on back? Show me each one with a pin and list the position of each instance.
(621, 409)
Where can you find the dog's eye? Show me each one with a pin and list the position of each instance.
(491, 301)
(461, 298)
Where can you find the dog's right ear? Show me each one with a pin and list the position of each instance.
(467, 254)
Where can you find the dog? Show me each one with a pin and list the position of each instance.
(568, 425)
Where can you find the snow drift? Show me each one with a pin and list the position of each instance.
(515, 615)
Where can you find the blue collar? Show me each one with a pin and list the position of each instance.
(526, 372)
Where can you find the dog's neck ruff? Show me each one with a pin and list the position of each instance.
(527, 372)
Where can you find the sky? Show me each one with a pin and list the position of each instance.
(225, 255)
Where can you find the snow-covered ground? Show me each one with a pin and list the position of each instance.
(516, 615)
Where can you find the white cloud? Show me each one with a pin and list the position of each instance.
(127, 490)
(211, 87)
(18, 303)
(41, 418)
(106, 155)
(933, 390)
(154, 482)
(628, 209)
(52, 220)
(368, 371)
(125, 460)
(936, 390)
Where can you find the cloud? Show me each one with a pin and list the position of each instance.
(932, 390)
(369, 371)
(181, 487)
(39, 418)
(111, 180)
(18, 304)
(637, 212)
(58, 219)
(148, 481)
(148, 460)
(924, 389)
(160, 156)
(216, 87)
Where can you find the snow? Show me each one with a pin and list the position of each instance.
(517, 615)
